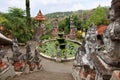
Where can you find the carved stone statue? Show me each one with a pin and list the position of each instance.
(3, 51)
(112, 40)
(15, 48)
(28, 52)
(108, 59)
(37, 59)
(91, 40)
(111, 14)
(111, 37)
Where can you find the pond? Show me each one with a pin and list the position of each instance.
(49, 48)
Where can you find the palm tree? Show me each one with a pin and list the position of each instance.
(28, 22)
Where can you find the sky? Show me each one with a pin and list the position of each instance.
(50, 6)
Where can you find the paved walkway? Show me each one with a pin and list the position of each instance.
(51, 69)
(45, 75)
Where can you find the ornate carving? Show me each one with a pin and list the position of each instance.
(91, 40)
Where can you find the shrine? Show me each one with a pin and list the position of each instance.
(55, 29)
(73, 30)
(40, 28)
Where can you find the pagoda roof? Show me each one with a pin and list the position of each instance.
(39, 16)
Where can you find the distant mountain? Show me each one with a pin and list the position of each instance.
(63, 14)
(68, 13)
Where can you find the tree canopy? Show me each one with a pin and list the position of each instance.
(14, 23)
(98, 17)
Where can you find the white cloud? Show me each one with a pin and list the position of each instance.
(106, 3)
(16, 3)
(52, 2)
(46, 2)
(76, 7)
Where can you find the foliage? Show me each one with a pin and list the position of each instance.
(82, 18)
(98, 16)
(77, 22)
(50, 49)
(79, 34)
(2, 19)
(15, 23)
(64, 25)
(58, 14)
(16, 12)
(47, 36)
(48, 25)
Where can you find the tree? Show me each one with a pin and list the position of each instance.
(28, 16)
(77, 22)
(16, 12)
(15, 23)
(98, 17)
(64, 25)
(2, 19)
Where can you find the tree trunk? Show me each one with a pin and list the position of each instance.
(28, 22)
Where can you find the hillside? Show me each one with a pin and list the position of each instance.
(82, 18)
(63, 14)
(69, 13)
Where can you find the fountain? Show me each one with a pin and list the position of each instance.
(61, 47)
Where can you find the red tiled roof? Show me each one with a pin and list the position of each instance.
(101, 29)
